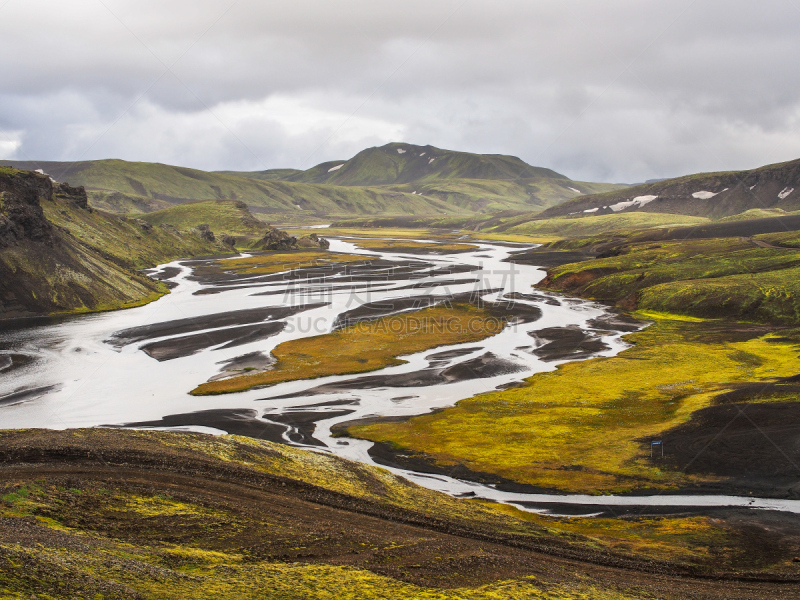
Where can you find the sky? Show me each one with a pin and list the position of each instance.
(616, 91)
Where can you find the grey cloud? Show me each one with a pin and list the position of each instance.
(622, 90)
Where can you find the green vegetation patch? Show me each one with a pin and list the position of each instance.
(589, 226)
(276, 262)
(581, 427)
(367, 346)
(222, 216)
(717, 278)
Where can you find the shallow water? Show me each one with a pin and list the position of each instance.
(69, 373)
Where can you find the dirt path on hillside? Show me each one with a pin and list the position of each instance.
(310, 524)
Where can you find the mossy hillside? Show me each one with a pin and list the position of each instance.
(581, 427)
(683, 539)
(490, 196)
(735, 192)
(398, 163)
(573, 227)
(757, 213)
(726, 277)
(177, 185)
(222, 216)
(84, 260)
(368, 346)
(771, 297)
(276, 262)
(121, 535)
(125, 240)
(787, 239)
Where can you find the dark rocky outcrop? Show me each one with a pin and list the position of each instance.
(204, 232)
(313, 241)
(58, 255)
(21, 214)
(276, 239)
(76, 195)
(228, 240)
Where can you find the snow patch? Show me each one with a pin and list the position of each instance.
(703, 195)
(574, 190)
(591, 210)
(423, 154)
(785, 193)
(431, 160)
(638, 202)
(40, 171)
(336, 168)
(401, 151)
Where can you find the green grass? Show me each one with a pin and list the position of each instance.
(222, 216)
(757, 213)
(170, 541)
(721, 278)
(580, 428)
(578, 227)
(375, 182)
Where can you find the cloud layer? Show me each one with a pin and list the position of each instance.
(623, 90)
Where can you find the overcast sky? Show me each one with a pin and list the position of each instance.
(619, 90)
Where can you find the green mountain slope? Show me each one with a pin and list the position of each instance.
(397, 179)
(58, 255)
(713, 195)
(126, 187)
(406, 163)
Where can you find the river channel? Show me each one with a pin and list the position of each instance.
(136, 367)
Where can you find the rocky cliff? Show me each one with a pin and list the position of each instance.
(58, 255)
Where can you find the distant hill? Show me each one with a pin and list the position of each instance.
(132, 187)
(714, 195)
(396, 179)
(406, 163)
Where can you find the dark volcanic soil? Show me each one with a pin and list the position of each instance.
(566, 343)
(236, 421)
(310, 524)
(235, 336)
(756, 447)
(217, 320)
(482, 367)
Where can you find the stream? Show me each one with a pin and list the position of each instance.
(136, 367)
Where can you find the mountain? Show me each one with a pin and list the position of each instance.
(396, 179)
(131, 187)
(480, 183)
(59, 255)
(768, 189)
(406, 163)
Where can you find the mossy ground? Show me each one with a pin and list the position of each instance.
(222, 216)
(585, 427)
(588, 225)
(276, 262)
(74, 528)
(367, 346)
(722, 278)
